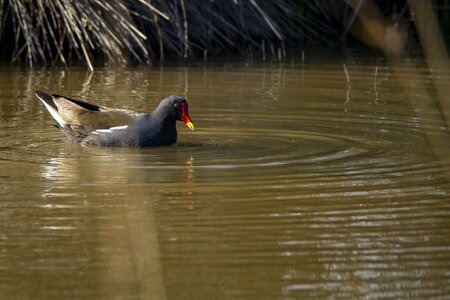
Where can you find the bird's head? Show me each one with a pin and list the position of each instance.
(178, 108)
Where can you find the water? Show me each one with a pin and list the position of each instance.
(295, 184)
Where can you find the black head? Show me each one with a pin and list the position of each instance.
(176, 107)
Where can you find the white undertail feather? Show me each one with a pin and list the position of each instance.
(54, 113)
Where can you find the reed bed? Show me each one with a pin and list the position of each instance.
(60, 30)
(34, 31)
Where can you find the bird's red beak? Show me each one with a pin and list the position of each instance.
(185, 117)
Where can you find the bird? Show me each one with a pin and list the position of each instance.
(90, 124)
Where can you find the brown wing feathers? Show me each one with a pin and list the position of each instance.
(76, 113)
(85, 105)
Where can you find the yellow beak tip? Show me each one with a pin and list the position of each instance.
(190, 125)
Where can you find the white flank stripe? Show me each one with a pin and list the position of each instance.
(54, 113)
(110, 130)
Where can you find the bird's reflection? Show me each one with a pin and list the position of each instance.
(188, 176)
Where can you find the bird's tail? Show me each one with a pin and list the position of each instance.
(47, 100)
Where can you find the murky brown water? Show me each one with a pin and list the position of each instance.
(293, 185)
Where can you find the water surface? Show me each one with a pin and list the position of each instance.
(295, 184)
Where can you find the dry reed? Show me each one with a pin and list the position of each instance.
(57, 30)
(61, 30)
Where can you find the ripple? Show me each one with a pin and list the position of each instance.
(274, 141)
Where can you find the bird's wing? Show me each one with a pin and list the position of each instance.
(91, 117)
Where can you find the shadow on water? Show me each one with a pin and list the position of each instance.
(294, 183)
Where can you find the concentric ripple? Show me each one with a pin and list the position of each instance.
(289, 140)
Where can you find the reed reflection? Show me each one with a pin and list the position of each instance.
(119, 187)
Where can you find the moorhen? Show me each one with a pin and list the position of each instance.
(91, 124)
